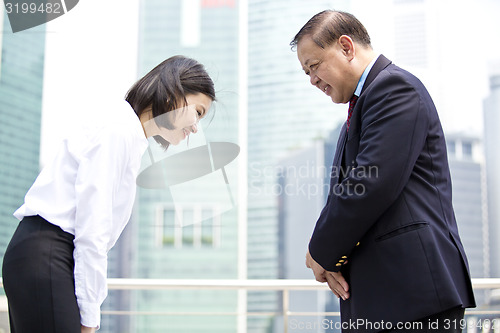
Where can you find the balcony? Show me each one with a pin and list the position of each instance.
(479, 320)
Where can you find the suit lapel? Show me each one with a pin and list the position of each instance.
(381, 63)
(337, 160)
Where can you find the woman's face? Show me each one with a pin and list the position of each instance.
(184, 121)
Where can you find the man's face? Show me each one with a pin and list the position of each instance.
(329, 69)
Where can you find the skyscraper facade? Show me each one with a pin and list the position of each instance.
(466, 159)
(284, 113)
(304, 183)
(192, 237)
(491, 139)
(467, 169)
(21, 84)
(21, 87)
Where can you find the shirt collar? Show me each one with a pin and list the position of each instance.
(362, 80)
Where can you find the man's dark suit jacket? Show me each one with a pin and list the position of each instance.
(388, 224)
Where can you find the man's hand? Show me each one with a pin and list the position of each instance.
(319, 272)
(86, 329)
(335, 280)
(338, 284)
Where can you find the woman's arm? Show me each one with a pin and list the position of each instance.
(88, 329)
(97, 185)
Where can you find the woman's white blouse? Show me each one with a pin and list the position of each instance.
(88, 190)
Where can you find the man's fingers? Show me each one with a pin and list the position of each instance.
(319, 275)
(333, 285)
(339, 288)
(309, 260)
(340, 279)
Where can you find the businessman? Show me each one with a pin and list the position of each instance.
(390, 250)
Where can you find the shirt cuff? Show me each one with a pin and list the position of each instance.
(90, 314)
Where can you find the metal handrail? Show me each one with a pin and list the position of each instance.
(249, 284)
(283, 285)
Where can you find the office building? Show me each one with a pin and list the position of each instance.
(21, 85)
(303, 184)
(467, 169)
(284, 113)
(491, 139)
(192, 238)
(465, 156)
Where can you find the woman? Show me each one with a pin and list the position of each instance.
(54, 269)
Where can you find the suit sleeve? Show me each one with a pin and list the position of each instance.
(393, 130)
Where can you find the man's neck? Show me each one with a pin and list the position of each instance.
(365, 56)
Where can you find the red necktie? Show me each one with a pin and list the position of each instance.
(352, 102)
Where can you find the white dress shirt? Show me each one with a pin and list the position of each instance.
(88, 190)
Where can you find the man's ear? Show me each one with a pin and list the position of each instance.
(347, 46)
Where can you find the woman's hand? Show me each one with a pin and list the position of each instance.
(86, 329)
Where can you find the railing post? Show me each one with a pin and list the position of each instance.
(242, 311)
(286, 301)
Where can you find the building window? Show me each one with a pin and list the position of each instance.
(467, 150)
(207, 228)
(411, 51)
(452, 148)
(185, 226)
(168, 229)
(398, 2)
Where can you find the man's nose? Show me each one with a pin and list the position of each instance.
(314, 80)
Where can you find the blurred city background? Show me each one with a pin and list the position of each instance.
(286, 129)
